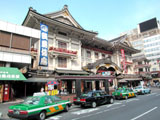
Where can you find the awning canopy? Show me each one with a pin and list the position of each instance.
(40, 80)
(80, 72)
(92, 77)
(8, 73)
(129, 79)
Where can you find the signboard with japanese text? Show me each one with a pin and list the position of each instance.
(43, 60)
(123, 60)
(8, 73)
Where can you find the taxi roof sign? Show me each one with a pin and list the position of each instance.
(40, 94)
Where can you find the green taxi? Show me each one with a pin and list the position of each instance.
(39, 107)
(124, 93)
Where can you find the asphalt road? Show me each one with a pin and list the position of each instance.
(143, 107)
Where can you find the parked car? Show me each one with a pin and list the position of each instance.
(124, 93)
(39, 107)
(142, 90)
(93, 98)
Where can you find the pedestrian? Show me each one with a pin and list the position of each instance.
(12, 93)
(42, 89)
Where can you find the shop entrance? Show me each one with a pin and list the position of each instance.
(69, 86)
(97, 85)
(18, 89)
(89, 86)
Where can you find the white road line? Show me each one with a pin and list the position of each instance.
(151, 94)
(84, 111)
(98, 112)
(54, 118)
(74, 109)
(144, 113)
(158, 95)
(131, 100)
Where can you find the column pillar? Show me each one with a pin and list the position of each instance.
(78, 87)
(106, 86)
(85, 87)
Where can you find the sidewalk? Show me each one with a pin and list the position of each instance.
(4, 108)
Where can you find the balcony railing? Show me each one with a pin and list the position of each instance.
(34, 51)
(142, 72)
(127, 62)
(142, 65)
(63, 51)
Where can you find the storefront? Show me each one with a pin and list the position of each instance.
(10, 83)
(129, 80)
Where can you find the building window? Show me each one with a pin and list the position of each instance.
(140, 69)
(154, 69)
(139, 63)
(62, 62)
(96, 55)
(62, 33)
(88, 54)
(62, 45)
(103, 55)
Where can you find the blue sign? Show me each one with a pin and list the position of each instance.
(43, 61)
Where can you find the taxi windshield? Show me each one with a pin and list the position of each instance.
(139, 87)
(120, 90)
(32, 100)
(89, 94)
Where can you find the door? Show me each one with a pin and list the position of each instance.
(99, 98)
(52, 105)
(97, 85)
(69, 86)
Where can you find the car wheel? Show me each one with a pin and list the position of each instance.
(66, 108)
(94, 104)
(126, 97)
(42, 115)
(111, 101)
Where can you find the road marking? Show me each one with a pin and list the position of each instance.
(98, 112)
(85, 111)
(110, 105)
(131, 100)
(151, 94)
(54, 118)
(158, 95)
(74, 109)
(144, 113)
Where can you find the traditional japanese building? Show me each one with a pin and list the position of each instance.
(77, 59)
(123, 51)
(142, 68)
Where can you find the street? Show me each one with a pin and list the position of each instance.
(142, 107)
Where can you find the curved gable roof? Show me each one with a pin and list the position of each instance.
(65, 14)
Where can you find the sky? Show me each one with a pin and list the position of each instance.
(107, 17)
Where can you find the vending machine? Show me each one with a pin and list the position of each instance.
(1, 93)
(6, 92)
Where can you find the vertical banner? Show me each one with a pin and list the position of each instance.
(123, 60)
(43, 60)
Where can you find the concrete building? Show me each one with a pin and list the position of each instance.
(146, 38)
(15, 56)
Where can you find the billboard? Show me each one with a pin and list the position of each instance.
(43, 60)
(123, 60)
(149, 24)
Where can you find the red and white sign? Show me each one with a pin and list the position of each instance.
(123, 60)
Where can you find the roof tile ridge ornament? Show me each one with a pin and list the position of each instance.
(65, 7)
(31, 8)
